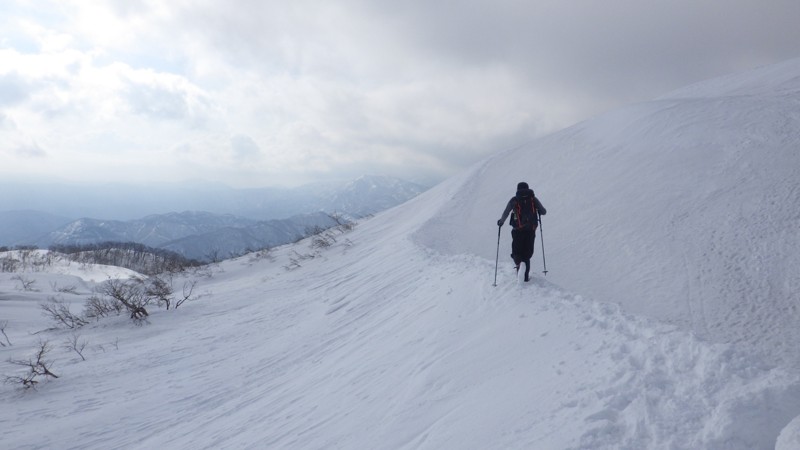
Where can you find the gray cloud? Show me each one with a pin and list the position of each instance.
(601, 53)
(573, 59)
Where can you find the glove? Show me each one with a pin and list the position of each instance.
(500, 222)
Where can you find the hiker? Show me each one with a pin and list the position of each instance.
(525, 209)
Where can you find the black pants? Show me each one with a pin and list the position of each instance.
(522, 245)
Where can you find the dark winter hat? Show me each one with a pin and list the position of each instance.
(522, 185)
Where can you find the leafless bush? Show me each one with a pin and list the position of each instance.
(58, 311)
(97, 307)
(3, 325)
(292, 265)
(296, 258)
(213, 255)
(188, 288)
(37, 367)
(264, 253)
(159, 290)
(343, 224)
(134, 296)
(323, 240)
(77, 345)
(162, 292)
(131, 294)
(314, 230)
(25, 282)
(72, 289)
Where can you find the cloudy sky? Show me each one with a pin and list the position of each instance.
(257, 93)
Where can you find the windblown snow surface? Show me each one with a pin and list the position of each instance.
(672, 235)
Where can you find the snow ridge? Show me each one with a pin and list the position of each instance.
(691, 199)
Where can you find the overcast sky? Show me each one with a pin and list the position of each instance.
(258, 93)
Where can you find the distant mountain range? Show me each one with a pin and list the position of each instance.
(195, 235)
(207, 235)
(363, 196)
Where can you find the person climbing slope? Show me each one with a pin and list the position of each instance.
(525, 210)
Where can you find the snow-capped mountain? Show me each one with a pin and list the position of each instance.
(682, 210)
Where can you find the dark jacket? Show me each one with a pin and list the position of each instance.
(513, 203)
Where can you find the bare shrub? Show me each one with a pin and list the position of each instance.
(58, 311)
(134, 296)
(213, 255)
(264, 253)
(77, 345)
(3, 325)
(25, 283)
(97, 307)
(71, 289)
(37, 367)
(314, 230)
(131, 294)
(296, 258)
(163, 293)
(188, 288)
(292, 265)
(343, 224)
(160, 290)
(323, 240)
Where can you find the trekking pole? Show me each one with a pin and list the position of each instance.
(497, 258)
(541, 236)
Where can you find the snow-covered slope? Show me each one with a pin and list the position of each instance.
(686, 208)
(394, 337)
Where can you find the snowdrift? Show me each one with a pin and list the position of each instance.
(685, 208)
